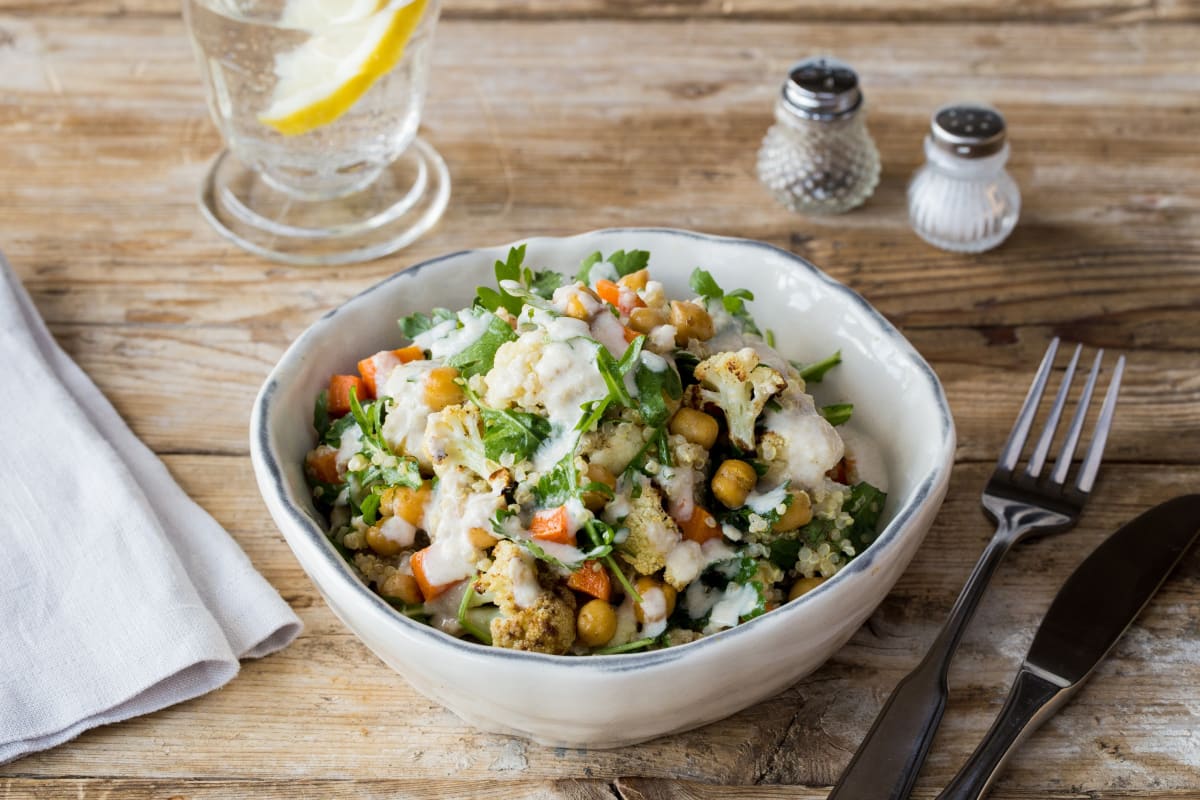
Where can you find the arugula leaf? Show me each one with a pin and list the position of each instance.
(333, 435)
(414, 611)
(703, 283)
(415, 324)
(813, 373)
(865, 505)
(384, 468)
(838, 413)
(321, 414)
(469, 622)
(370, 508)
(557, 484)
(651, 387)
(628, 647)
(516, 432)
(478, 357)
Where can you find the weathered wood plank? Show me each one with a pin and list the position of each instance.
(330, 789)
(657, 789)
(854, 11)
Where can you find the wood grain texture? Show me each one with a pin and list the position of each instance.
(562, 117)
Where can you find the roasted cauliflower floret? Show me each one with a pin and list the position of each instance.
(536, 615)
(798, 444)
(453, 439)
(740, 386)
(652, 532)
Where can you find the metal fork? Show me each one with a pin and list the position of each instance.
(1020, 504)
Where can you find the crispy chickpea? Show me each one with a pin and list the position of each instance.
(406, 503)
(695, 426)
(635, 280)
(645, 585)
(481, 538)
(799, 512)
(596, 473)
(804, 586)
(440, 390)
(382, 545)
(575, 308)
(644, 319)
(402, 587)
(732, 482)
(690, 321)
(596, 623)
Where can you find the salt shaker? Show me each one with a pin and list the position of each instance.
(962, 199)
(818, 156)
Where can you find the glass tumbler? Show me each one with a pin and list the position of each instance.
(318, 104)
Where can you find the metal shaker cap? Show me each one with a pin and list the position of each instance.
(821, 88)
(968, 130)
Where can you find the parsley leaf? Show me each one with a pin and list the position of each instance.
(652, 386)
(321, 414)
(865, 505)
(516, 432)
(813, 373)
(415, 324)
(625, 263)
(544, 283)
(838, 413)
(478, 357)
(703, 283)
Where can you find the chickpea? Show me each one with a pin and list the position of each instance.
(645, 585)
(799, 512)
(597, 473)
(382, 545)
(644, 320)
(402, 587)
(440, 390)
(695, 426)
(575, 308)
(690, 321)
(635, 280)
(481, 538)
(732, 482)
(596, 623)
(406, 503)
(804, 586)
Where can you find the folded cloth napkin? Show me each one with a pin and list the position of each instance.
(118, 594)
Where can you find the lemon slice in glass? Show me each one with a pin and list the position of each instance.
(354, 43)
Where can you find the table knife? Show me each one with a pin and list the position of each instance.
(1090, 613)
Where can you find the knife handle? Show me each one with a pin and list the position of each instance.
(1034, 699)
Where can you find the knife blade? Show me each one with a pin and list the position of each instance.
(1093, 609)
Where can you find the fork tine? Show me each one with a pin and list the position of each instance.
(1063, 464)
(1020, 431)
(1091, 462)
(1042, 447)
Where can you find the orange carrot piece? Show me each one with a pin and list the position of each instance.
(369, 366)
(322, 464)
(428, 590)
(609, 292)
(552, 525)
(410, 353)
(338, 403)
(701, 527)
(592, 579)
(366, 368)
(630, 334)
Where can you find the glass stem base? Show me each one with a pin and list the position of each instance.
(400, 204)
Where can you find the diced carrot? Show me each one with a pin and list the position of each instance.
(630, 334)
(701, 526)
(552, 525)
(428, 590)
(322, 464)
(609, 292)
(592, 578)
(368, 366)
(338, 403)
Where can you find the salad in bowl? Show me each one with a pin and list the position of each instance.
(578, 463)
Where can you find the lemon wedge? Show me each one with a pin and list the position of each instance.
(354, 44)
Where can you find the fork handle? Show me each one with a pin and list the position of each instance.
(886, 764)
(1033, 699)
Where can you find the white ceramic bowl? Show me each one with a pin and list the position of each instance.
(606, 701)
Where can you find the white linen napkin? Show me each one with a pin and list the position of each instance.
(118, 594)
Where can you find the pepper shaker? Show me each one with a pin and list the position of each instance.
(818, 156)
(962, 199)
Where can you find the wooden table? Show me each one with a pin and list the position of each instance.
(558, 117)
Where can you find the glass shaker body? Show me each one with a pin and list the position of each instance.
(819, 166)
(818, 156)
(963, 203)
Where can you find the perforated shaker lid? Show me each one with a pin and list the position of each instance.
(821, 88)
(968, 130)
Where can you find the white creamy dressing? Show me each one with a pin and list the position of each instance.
(603, 271)
(767, 502)
(679, 485)
(523, 574)
(728, 335)
(447, 339)
(627, 625)
(688, 559)
(348, 447)
(577, 515)
(619, 507)
(654, 611)
(735, 602)
(608, 331)
(654, 362)
(454, 510)
(443, 609)
(565, 553)
(568, 378)
(398, 530)
(813, 446)
(384, 361)
(661, 338)
(404, 428)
